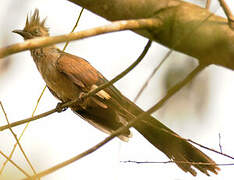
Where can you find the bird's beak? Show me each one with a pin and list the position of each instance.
(24, 34)
(20, 32)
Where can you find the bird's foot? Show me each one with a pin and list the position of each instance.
(59, 108)
(81, 97)
(83, 101)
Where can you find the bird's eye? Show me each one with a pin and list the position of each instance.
(36, 32)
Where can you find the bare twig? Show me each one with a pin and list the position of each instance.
(208, 4)
(17, 123)
(152, 75)
(22, 133)
(198, 144)
(17, 141)
(220, 146)
(113, 27)
(73, 29)
(179, 162)
(228, 13)
(210, 149)
(12, 162)
(38, 100)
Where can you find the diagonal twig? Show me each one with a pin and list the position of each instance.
(17, 166)
(210, 149)
(17, 141)
(220, 145)
(179, 162)
(228, 13)
(92, 92)
(208, 4)
(152, 75)
(73, 29)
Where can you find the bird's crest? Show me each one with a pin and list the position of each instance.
(34, 21)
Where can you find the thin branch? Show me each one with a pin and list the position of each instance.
(12, 162)
(198, 144)
(228, 13)
(179, 162)
(75, 26)
(17, 123)
(113, 27)
(210, 149)
(22, 133)
(17, 141)
(92, 92)
(220, 145)
(38, 100)
(208, 4)
(118, 77)
(152, 75)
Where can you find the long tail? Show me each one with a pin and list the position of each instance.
(175, 147)
(184, 154)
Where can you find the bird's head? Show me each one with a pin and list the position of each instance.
(33, 27)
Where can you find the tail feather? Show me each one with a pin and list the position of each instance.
(175, 147)
(184, 154)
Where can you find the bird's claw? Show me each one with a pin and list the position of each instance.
(83, 101)
(59, 108)
(81, 96)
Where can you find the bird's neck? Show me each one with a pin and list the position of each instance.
(39, 54)
(45, 57)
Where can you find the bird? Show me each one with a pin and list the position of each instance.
(68, 77)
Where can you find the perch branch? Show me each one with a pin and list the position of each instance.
(113, 27)
(92, 92)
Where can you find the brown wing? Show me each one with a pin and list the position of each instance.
(79, 70)
(96, 110)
